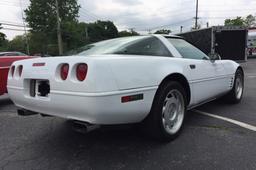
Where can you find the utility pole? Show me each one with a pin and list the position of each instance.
(86, 33)
(59, 29)
(25, 29)
(196, 18)
(131, 30)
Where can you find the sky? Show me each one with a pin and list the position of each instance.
(143, 16)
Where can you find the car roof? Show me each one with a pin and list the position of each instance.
(9, 52)
(168, 36)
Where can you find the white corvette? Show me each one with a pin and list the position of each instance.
(150, 79)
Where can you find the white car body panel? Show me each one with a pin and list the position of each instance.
(97, 100)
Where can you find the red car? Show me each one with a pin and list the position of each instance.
(6, 60)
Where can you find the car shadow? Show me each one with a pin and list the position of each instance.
(111, 146)
(5, 101)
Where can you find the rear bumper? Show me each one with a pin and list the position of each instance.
(95, 108)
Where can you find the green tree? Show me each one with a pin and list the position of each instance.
(3, 41)
(250, 21)
(36, 44)
(17, 44)
(163, 31)
(41, 17)
(102, 30)
(127, 33)
(238, 21)
(75, 35)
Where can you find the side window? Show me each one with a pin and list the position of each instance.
(147, 46)
(187, 50)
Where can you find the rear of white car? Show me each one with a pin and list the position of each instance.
(126, 80)
(79, 88)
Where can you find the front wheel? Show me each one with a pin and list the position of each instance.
(236, 94)
(168, 111)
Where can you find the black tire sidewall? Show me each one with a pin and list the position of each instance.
(238, 74)
(156, 110)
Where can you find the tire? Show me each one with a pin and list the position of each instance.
(236, 94)
(165, 120)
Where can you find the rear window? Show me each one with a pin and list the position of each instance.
(137, 45)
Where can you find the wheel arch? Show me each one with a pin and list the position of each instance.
(180, 78)
(240, 68)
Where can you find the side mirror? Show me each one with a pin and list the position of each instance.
(214, 56)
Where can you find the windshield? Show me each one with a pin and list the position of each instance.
(12, 54)
(136, 45)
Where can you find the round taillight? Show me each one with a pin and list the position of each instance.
(20, 70)
(81, 71)
(64, 71)
(12, 70)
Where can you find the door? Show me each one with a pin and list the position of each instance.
(207, 78)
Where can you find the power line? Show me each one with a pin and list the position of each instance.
(10, 4)
(11, 22)
(15, 25)
(225, 10)
(170, 24)
(13, 29)
(140, 24)
(86, 15)
(92, 15)
(176, 11)
(5, 4)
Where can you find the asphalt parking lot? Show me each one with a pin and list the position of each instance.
(37, 142)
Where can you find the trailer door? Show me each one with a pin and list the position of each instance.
(231, 44)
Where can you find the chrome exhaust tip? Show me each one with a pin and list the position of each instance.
(83, 127)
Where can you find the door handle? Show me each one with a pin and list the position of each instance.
(192, 66)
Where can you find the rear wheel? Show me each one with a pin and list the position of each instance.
(167, 114)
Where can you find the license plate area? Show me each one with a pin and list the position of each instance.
(39, 88)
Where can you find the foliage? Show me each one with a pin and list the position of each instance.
(163, 31)
(41, 17)
(127, 33)
(39, 43)
(238, 21)
(74, 35)
(102, 30)
(248, 21)
(17, 44)
(3, 41)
